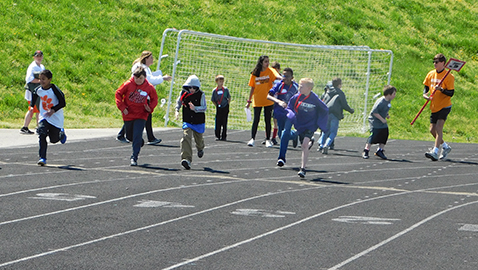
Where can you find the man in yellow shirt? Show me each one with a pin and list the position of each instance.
(440, 104)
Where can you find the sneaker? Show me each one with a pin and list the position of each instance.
(295, 141)
(320, 149)
(154, 142)
(380, 154)
(365, 154)
(25, 130)
(41, 162)
(311, 142)
(269, 143)
(280, 162)
(301, 173)
(251, 143)
(186, 164)
(432, 155)
(200, 153)
(263, 142)
(445, 152)
(325, 150)
(63, 136)
(133, 162)
(122, 139)
(274, 141)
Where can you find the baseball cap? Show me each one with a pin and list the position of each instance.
(38, 53)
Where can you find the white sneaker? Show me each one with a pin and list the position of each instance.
(445, 152)
(269, 143)
(251, 143)
(432, 155)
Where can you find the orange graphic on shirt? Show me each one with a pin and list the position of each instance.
(46, 103)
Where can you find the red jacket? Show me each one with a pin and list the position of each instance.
(133, 97)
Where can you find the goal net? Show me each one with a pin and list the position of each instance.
(363, 71)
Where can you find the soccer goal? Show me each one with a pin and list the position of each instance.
(364, 71)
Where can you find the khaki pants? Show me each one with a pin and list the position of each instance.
(186, 143)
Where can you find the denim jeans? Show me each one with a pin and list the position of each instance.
(134, 133)
(148, 126)
(287, 134)
(333, 126)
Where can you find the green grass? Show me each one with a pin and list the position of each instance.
(90, 45)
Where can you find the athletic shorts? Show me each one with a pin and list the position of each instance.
(309, 134)
(35, 109)
(441, 114)
(379, 135)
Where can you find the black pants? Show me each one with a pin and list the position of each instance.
(46, 129)
(267, 118)
(222, 114)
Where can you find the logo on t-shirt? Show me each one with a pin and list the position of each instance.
(262, 80)
(46, 103)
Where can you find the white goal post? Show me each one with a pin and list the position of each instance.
(364, 71)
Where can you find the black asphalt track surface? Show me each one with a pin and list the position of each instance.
(89, 209)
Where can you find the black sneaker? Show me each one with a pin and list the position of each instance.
(186, 164)
(25, 130)
(200, 153)
(295, 142)
(122, 139)
(365, 154)
(380, 154)
(280, 162)
(311, 143)
(154, 142)
(134, 162)
(301, 173)
(274, 141)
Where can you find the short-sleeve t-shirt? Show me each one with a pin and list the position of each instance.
(262, 85)
(439, 100)
(381, 106)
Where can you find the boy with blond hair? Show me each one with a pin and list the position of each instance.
(307, 112)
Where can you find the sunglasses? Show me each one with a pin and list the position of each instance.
(436, 61)
(193, 87)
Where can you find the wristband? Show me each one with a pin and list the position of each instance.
(249, 101)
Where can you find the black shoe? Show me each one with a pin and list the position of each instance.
(380, 154)
(186, 164)
(301, 173)
(25, 130)
(274, 141)
(200, 153)
(154, 142)
(280, 162)
(312, 140)
(365, 154)
(295, 142)
(122, 139)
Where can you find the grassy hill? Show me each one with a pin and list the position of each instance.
(90, 45)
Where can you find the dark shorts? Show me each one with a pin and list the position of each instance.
(441, 114)
(309, 134)
(379, 135)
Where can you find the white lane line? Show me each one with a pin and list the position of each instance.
(291, 225)
(353, 258)
(115, 200)
(149, 226)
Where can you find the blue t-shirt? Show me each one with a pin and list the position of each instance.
(308, 112)
(282, 92)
